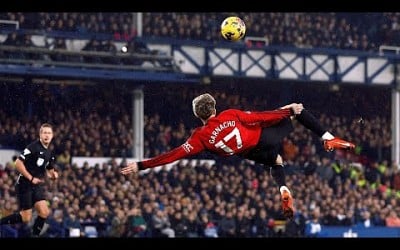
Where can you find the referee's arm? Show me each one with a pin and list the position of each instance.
(20, 166)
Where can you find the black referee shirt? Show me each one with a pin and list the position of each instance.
(37, 159)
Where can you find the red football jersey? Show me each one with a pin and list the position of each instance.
(230, 132)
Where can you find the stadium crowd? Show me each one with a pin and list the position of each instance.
(342, 30)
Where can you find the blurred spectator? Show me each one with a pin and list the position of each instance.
(58, 44)
(180, 225)
(63, 159)
(243, 225)
(313, 226)
(260, 228)
(56, 225)
(211, 230)
(73, 225)
(227, 225)
(13, 39)
(109, 46)
(162, 224)
(393, 219)
(366, 220)
(92, 45)
(136, 225)
(118, 225)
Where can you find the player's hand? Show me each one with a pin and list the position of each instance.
(130, 168)
(297, 108)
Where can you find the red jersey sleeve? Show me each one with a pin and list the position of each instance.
(266, 117)
(191, 147)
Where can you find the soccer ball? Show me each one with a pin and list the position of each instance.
(233, 28)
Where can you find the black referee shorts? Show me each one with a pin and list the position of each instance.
(29, 194)
(270, 143)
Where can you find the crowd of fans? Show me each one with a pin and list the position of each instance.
(357, 31)
(203, 200)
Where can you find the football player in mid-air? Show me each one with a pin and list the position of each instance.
(254, 135)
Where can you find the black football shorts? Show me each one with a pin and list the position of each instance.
(270, 143)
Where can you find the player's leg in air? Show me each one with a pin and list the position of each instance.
(276, 170)
(267, 152)
(331, 142)
(278, 174)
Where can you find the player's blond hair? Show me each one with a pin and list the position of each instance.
(203, 106)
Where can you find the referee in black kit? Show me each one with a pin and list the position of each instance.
(34, 164)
